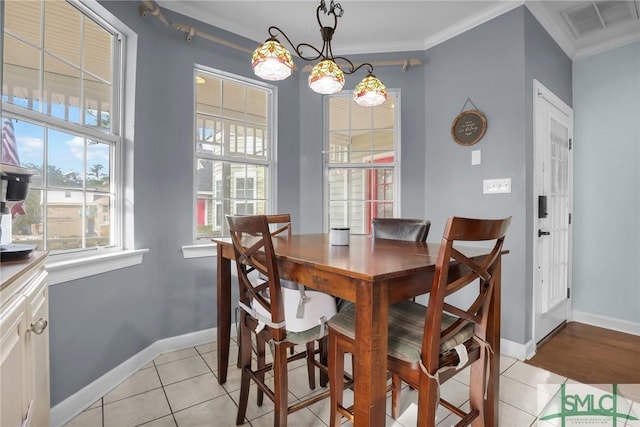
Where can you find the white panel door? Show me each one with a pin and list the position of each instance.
(553, 138)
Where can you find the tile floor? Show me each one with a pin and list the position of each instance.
(180, 389)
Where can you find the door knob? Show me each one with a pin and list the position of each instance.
(543, 233)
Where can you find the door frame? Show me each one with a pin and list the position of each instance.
(542, 94)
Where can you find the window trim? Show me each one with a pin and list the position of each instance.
(202, 247)
(75, 265)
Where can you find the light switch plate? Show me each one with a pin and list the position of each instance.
(476, 157)
(496, 186)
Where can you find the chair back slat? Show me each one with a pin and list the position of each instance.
(282, 223)
(456, 271)
(253, 248)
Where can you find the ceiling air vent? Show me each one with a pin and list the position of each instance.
(598, 15)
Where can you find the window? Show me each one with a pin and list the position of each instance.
(233, 150)
(362, 162)
(61, 109)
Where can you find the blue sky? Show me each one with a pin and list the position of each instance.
(65, 151)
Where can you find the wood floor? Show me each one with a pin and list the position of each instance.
(591, 355)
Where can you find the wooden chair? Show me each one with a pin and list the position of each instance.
(415, 230)
(429, 345)
(268, 311)
(278, 224)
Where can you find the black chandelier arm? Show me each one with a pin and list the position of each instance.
(275, 31)
(353, 68)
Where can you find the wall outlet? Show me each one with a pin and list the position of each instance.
(496, 186)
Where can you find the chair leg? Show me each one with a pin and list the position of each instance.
(396, 388)
(476, 390)
(260, 350)
(323, 343)
(336, 379)
(280, 384)
(311, 369)
(245, 359)
(239, 361)
(427, 403)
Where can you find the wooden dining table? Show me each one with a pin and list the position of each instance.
(372, 273)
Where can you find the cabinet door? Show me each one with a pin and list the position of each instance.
(14, 381)
(38, 348)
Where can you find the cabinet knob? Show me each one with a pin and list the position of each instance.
(39, 326)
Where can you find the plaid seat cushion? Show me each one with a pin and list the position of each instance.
(406, 325)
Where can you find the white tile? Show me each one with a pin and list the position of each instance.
(193, 391)
(88, 418)
(182, 369)
(523, 396)
(175, 355)
(506, 362)
(135, 410)
(532, 375)
(454, 392)
(299, 382)
(211, 359)
(167, 421)
(148, 365)
(220, 412)
(207, 348)
(253, 410)
(514, 417)
(96, 404)
(141, 381)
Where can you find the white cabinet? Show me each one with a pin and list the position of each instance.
(24, 343)
(14, 383)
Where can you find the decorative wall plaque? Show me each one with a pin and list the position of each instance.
(468, 127)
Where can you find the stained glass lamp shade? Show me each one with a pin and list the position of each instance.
(370, 92)
(272, 61)
(326, 77)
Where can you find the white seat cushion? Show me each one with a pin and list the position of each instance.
(317, 305)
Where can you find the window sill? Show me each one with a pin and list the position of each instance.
(199, 251)
(78, 268)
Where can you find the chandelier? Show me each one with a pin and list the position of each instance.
(272, 61)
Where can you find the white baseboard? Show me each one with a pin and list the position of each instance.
(66, 410)
(606, 322)
(517, 350)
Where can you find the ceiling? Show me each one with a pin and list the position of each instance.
(581, 28)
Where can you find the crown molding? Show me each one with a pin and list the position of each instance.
(610, 44)
(472, 22)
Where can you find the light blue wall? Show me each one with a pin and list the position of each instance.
(486, 65)
(606, 247)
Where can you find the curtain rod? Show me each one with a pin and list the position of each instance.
(149, 7)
